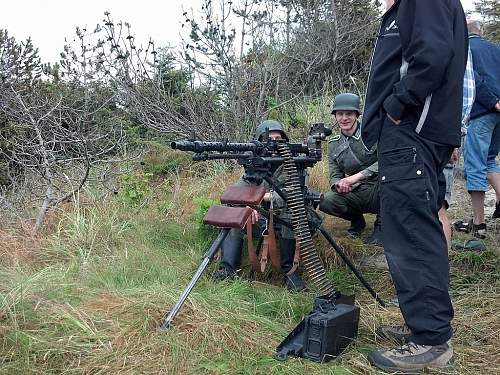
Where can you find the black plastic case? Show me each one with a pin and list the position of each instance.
(324, 333)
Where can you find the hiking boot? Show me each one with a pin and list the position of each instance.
(479, 230)
(357, 226)
(223, 273)
(412, 358)
(231, 258)
(399, 334)
(496, 214)
(294, 283)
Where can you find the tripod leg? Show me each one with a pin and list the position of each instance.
(167, 320)
(349, 263)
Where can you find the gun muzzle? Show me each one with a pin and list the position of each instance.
(182, 145)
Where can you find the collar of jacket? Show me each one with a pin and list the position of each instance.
(356, 135)
(473, 35)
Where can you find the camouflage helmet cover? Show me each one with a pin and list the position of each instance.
(346, 102)
(269, 125)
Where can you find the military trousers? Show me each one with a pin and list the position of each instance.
(348, 206)
(411, 193)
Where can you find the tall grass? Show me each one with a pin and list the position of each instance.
(90, 298)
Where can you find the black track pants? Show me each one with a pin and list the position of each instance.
(412, 191)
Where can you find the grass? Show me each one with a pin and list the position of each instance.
(87, 297)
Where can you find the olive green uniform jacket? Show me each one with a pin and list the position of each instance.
(347, 156)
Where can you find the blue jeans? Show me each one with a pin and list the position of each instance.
(482, 145)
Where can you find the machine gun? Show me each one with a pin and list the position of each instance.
(259, 160)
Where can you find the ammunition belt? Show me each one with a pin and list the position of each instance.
(295, 201)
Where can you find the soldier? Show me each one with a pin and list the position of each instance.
(232, 246)
(353, 172)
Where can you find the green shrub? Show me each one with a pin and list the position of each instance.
(165, 167)
(161, 160)
(134, 187)
(206, 233)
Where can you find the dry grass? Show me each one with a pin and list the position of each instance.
(90, 299)
(17, 245)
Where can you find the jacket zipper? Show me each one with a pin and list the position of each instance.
(369, 76)
(384, 17)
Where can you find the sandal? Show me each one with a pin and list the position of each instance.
(469, 245)
(461, 226)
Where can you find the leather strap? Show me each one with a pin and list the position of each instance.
(274, 253)
(296, 258)
(252, 255)
(264, 253)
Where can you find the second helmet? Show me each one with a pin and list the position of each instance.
(346, 102)
(269, 125)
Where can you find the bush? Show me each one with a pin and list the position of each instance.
(161, 160)
(206, 233)
(134, 187)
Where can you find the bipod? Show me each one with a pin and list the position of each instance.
(209, 256)
(221, 216)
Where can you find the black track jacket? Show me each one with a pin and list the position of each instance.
(417, 70)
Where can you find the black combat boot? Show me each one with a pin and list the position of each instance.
(231, 258)
(376, 237)
(293, 282)
(358, 223)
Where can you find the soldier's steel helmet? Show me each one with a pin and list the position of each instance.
(269, 125)
(346, 102)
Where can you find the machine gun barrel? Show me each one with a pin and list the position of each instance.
(200, 146)
(207, 156)
(257, 148)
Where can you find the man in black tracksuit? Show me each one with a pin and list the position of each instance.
(413, 110)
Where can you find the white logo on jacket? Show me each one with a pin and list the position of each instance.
(392, 26)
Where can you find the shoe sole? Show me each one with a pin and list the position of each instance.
(396, 370)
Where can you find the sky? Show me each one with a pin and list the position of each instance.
(49, 22)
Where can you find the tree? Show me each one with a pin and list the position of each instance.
(20, 66)
(287, 50)
(19, 62)
(57, 132)
(490, 13)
